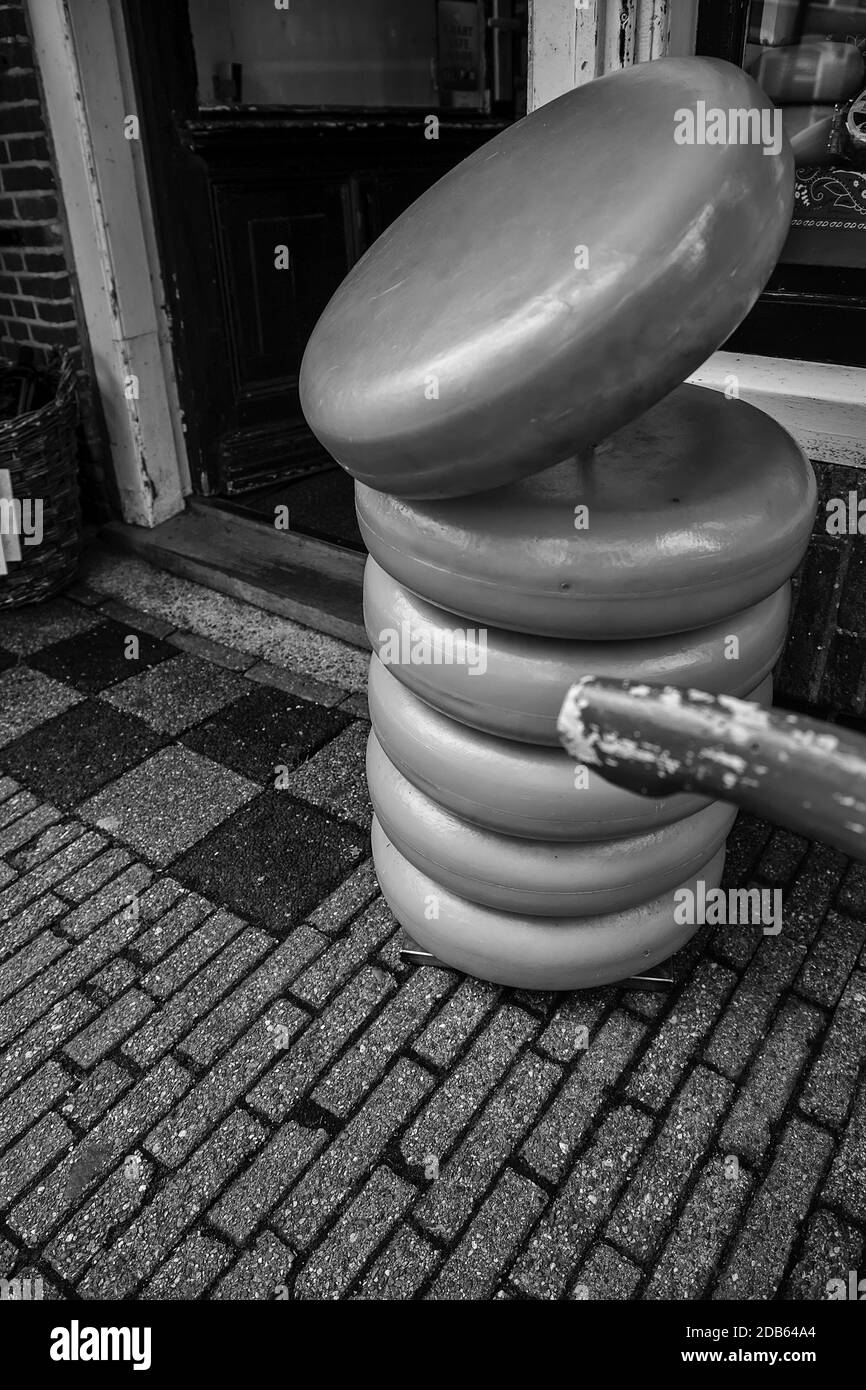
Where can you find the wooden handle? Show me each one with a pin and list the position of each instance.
(653, 739)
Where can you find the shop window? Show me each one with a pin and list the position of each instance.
(810, 58)
(466, 55)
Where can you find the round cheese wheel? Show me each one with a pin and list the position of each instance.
(519, 789)
(816, 70)
(534, 952)
(697, 510)
(538, 877)
(552, 286)
(513, 684)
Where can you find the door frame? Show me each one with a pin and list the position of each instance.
(83, 59)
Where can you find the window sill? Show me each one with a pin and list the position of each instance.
(822, 404)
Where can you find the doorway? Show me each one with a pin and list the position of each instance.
(281, 140)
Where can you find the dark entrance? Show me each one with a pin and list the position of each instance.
(280, 140)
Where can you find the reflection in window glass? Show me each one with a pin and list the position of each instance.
(810, 58)
(432, 54)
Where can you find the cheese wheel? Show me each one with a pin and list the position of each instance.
(537, 877)
(517, 788)
(816, 70)
(513, 684)
(533, 952)
(551, 287)
(697, 510)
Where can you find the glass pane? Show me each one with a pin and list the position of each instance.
(808, 55)
(360, 53)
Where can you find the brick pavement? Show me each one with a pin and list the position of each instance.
(218, 1080)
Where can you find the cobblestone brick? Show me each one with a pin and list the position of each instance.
(68, 849)
(172, 1140)
(23, 1163)
(215, 652)
(547, 1266)
(830, 1249)
(199, 946)
(27, 1051)
(459, 1096)
(852, 893)
(88, 1231)
(752, 1005)
(782, 857)
(27, 962)
(507, 1116)
(846, 1185)
(337, 964)
(677, 1041)
(115, 978)
(475, 1267)
(223, 1024)
(159, 898)
(757, 1262)
(8, 787)
(71, 970)
(770, 1084)
(351, 897)
(404, 1265)
(118, 895)
(145, 1244)
(30, 1101)
(831, 959)
(259, 1274)
(713, 1211)
(471, 1003)
(110, 1028)
(95, 1094)
(163, 1029)
(171, 927)
(606, 1275)
(639, 1221)
(830, 1084)
(13, 807)
(294, 1074)
(93, 876)
(198, 1260)
(26, 828)
(576, 1017)
(249, 1199)
(564, 1125)
(354, 1153)
(814, 889)
(32, 919)
(359, 1068)
(368, 1220)
(110, 1140)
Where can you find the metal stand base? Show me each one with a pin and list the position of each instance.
(658, 977)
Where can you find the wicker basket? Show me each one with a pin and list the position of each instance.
(38, 451)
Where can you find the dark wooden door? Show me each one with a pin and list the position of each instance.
(229, 188)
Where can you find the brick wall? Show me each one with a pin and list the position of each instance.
(39, 306)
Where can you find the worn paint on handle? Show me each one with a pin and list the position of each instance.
(652, 739)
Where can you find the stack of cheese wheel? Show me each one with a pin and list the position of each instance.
(542, 501)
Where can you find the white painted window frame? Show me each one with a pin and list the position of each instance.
(87, 81)
(822, 404)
